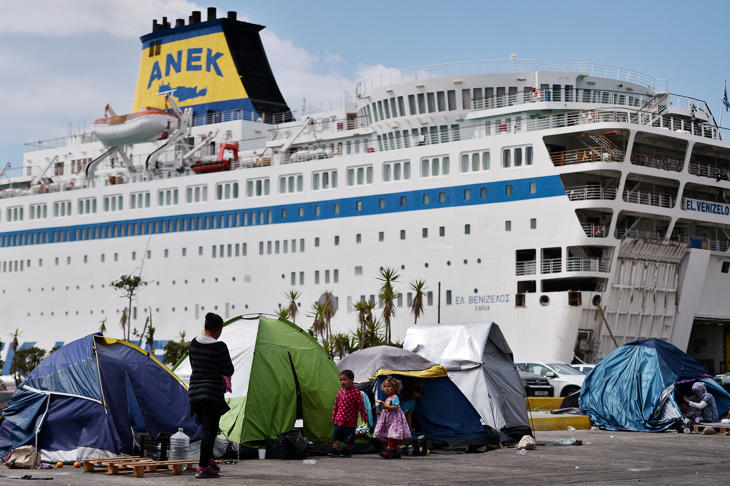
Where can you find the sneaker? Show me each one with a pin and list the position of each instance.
(206, 472)
(214, 466)
(346, 453)
(333, 453)
(386, 454)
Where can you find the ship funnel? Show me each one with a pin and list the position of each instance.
(214, 66)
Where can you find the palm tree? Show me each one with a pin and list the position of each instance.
(282, 313)
(150, 339)
(364, 314)
(341, 344)
(328, 311)
(182, 335)
(318, 325)
(419, 288)
(102, 326)
(388, 295)
(15, 335)
(292, 310)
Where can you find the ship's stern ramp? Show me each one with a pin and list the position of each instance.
(642, 298)
(216, 67)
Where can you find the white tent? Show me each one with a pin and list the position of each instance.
(480, 363)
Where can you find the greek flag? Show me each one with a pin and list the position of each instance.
(725, 102)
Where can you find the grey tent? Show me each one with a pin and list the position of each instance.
(443, 414)
(480, 363)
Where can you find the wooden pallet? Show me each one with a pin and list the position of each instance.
(717, 427)
(136, 465)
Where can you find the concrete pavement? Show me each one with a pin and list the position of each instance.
(607, 458)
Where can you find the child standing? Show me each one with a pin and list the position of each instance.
(392, 425)
(347, 405)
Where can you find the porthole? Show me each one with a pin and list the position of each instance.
(544, 300)
(425, 264)
(596, 300)
(466, 261)
(402, 267)
(448, 263)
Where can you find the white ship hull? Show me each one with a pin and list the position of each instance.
(579, 239)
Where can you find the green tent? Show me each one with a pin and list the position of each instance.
(282, 374)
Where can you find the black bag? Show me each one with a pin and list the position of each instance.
(288, 446)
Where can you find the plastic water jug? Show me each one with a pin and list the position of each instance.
(179, 445)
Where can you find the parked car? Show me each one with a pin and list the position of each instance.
(583, 367)
(724, 380)
(536, 385)
(564, 378)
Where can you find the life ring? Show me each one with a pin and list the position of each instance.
(43, 189)
(538, 94)
(70, 185)
(589, 116)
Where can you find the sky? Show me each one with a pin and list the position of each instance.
(62, 61)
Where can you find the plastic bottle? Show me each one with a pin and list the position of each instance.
(179, 445)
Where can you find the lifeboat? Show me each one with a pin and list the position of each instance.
(203, 167)
(142, 126)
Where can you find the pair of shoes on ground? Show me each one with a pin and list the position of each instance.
(212, 471)
(390, 454)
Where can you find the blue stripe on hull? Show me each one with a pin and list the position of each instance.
(454, 196)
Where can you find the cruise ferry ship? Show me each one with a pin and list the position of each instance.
(578, 205)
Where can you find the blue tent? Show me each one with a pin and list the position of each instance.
(633, 388)
(443, 414)
(88, 398)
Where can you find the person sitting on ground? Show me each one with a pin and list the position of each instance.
(701, 407)
(211, 370)
(413, 392)
(347, 405)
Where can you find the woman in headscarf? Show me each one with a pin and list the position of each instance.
(702, 407)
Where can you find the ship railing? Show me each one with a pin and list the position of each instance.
(590, 191)
(551, 265)
(708, 170)
(650, 198)
(51, 143)
(525, 268)
(576, 95)
(706, 243)
(584, 264)
(595, 230)
(304, 155)
(656, 161)
(241, 114)
(586, 117)
(586, 68)
(583, 155)
(622, 233)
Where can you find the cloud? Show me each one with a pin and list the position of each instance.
(56, 18)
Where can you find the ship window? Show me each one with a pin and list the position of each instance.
(518, 157)
(451, 96)
(528, 155)
(448, 297)
(402, 234)
(483, 193)
(337, 240)
(424, 232)
(336, 208)
(401, 107)
(506, 153)
(316, 241)
(441, 100)
(381, 203)
(431, 102)
(508, 189)
(442, 230)
(421, 103)
(386, 108)
(358, 205)
(283, 213)
(426, 199)
(508, 225)
(380, 110)
(533, 223)
(465, 100)
(725, 267)
(386, 173)
(316, 276)
(442, 197)
(392, 108)
(467, 229)
(467, 194)
(533, 187)
(412, 104)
